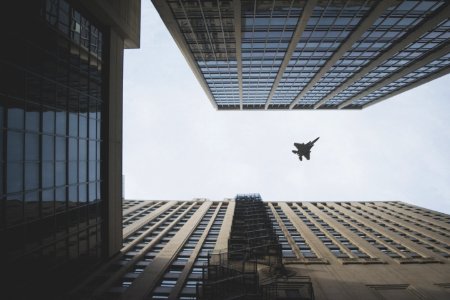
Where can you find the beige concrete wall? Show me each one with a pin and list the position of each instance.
(393, 279)
(412, 281)
(124, 16)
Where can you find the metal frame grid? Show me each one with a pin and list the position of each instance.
(208, 27)
(414, 52)
(328, 27)
(388, 28)
(296, 54)
(435, 66)
(267, 29)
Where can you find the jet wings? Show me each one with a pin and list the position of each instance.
(306, 154)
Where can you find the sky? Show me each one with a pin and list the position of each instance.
(176, 146)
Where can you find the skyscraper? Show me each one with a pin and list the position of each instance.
(60, 139)
(316, 250)
(320, 54)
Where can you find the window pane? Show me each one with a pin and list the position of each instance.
(61, 122)
(82, 193)
(73, 149)
(31, 176)
(73, 124)
(32, 120)
(48, 147)
(73, 172)
(82, 149)
(31, 146)
(82, 172)
(15, 146)
(16, 118)
(60, 173)
(48, 174)
(48, 122)
(14, 177)
(60, 148)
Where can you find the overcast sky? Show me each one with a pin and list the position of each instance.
(178, 147)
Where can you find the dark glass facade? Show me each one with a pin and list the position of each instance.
(51, 114)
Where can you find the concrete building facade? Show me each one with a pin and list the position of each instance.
(61, 67)
(320, 54)
(339, 250)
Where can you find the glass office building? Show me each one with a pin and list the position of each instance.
(319, 54)
(55, 104)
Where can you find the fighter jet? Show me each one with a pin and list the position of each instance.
(304, 149)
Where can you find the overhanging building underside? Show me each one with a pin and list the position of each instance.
(316, 54)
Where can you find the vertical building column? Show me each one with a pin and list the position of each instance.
(174, 294)
(309, 236)
(112, 171)
(144, 284)
(225, 229)
(238, 43)
(286, 233)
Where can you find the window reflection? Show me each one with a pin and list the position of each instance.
(82, 171)
(48, 173)
(60, 149)
(60, 173)
(50, 132)
(16, 118)
(15, 146)
(73, 172)
(31, 147)
(48, 147)
(14, 177)
(61, 122)
(48, 122)
(31, 176)
(73, 124)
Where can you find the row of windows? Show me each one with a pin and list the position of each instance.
(374, 238)
(418, 238)
(169, 280)
(140, 213)
(295, 236)
(163, 228)
(412, 220)
(127, 204)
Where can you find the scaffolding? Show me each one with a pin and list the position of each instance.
(252, 266)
